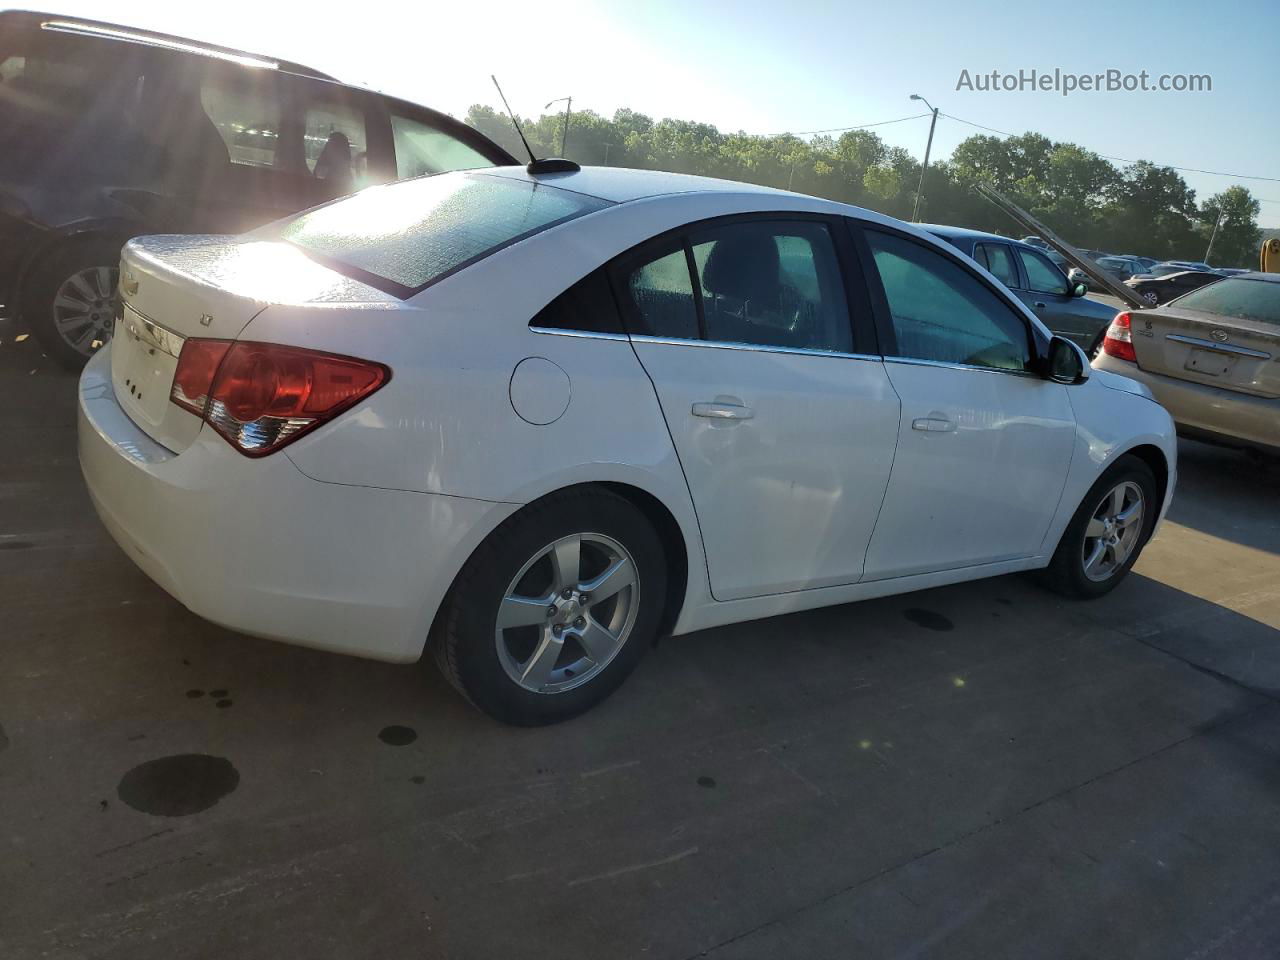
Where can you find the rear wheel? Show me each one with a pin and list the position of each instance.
(1152, 298)
(555, 609)
(1105, 537)
(70, 299)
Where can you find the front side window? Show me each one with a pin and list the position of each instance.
(403, 236)
(422, 149)
(998, 261)
(943, 313)
(1042, 276)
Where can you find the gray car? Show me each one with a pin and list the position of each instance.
(1210, 357)
(1036, 281)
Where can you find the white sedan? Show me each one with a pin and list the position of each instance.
(534, 421)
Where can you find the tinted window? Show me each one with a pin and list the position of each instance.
(942, 312)
(1237, 297)
(422, 149)
(335, 145)
(661, 297)
(999, 261)
(415, 231)
(773, 284)
(248, 117)
(587, 305)
(1042, 276)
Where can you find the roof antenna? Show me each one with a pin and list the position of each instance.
(535, 166)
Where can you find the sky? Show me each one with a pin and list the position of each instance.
(770, 67)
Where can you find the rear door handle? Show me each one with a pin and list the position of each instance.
(720, 410)
(932, 425)
(1039, 304)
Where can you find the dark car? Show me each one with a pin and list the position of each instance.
(111, 132)
(1163, 288)
(1036, 281)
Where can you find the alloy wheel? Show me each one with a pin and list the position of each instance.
(567, 613)
(84, 308)
(1113, 531)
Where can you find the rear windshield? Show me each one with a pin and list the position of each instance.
(403, 236)
(1237, 297)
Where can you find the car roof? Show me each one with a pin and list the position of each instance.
(957, 233)
(622, 184)
(1256, 275)
(103, 30)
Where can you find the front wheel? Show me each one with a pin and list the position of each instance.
(554, 609)
(1105, 537)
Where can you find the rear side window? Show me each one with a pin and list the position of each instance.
(661, 295)
(587, 305)
(403, 236)
(998, 261)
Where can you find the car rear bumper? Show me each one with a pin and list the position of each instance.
(1207, 412)
(258, 547)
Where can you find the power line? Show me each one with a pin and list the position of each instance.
(856, 126)
(1213, 173)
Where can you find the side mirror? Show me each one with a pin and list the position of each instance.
(1079, 290)
(1067, 363)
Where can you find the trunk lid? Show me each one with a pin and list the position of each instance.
(1226, 352)
(176, 287)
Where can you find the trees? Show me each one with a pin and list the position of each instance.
(1238, 238)
(1142, 208)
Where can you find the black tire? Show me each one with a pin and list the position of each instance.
(1095, 348)
(1066, 571)
(464, 641)
(48, 275)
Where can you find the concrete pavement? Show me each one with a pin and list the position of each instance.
(978, 771)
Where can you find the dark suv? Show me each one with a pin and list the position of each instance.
(111, 132)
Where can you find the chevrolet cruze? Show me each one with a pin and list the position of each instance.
(532, 421)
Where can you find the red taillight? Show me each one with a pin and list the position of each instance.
(1118, 340)
(260, 396)
(197, 364)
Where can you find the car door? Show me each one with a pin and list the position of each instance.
(984, 442)
(1047, 291)
(782, 414)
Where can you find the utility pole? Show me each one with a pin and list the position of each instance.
(933, 122)
(568, 110)
(1213, 235)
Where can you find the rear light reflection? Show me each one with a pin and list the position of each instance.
(1118, 340)
(261, 396)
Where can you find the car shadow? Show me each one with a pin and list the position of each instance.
(1227, 494)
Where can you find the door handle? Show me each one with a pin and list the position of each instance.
(719, 410)
(1039, 304)
(932, 425)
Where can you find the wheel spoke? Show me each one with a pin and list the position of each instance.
(70, 324)
(81, 286)
(1095, 529)
(619, 576)
(521, 611)
(566, 559)
(1117, 501)
(1127, 516)
(106, 286)
(598, 642)
(1095, 555)
(536, 671)
(67, 300)
(86, 335)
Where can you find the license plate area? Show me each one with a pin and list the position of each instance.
(142, 367)
(1210, 363)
